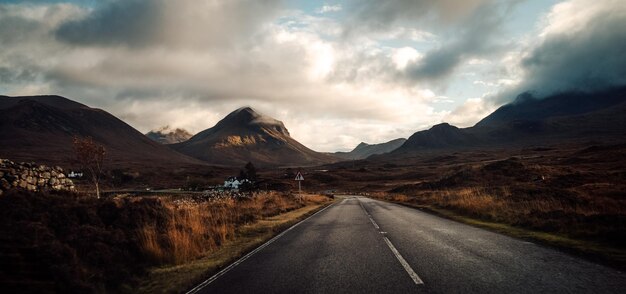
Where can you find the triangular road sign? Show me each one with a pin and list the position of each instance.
(299, 177)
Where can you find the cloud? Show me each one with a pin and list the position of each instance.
(182, 23)
(471, 111)
(382, 15)
(25, 37)
(188, 63)
(131, 22)
(459, 31)
(472, 35)
(581, 48)
(578, 47)
(189, 71)
(476, 36)
(329, 8)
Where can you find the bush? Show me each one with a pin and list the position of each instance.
(87, 245)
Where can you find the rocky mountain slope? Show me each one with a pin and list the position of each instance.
(245, 135)
(166, 135)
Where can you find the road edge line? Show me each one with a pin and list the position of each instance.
(242, 259)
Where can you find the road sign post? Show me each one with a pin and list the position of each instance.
(299, 179)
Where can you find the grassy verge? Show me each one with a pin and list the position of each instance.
(175, 278)
(600, 252)
(74, 244)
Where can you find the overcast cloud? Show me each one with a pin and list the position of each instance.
(337, 74)
(581, 48)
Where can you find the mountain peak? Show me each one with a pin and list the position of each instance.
(245, 135)
(245, 109)
(443, 126)
(242, 115)
(168, 135)
(248, 117)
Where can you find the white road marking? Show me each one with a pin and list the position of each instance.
(236, 263)
(369, 216)
(374, 223)
(403, 262)
(416, 279)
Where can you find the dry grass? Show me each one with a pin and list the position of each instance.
(85, 245)
(501, 204)
(176, 277)
(593, 226)
(194, 230)
(580, 216)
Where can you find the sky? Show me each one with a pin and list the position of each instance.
(337, 73)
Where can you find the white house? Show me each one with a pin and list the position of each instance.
(234, 183)
(73, 174)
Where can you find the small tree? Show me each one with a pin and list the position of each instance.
(90, 155)
(250, 171)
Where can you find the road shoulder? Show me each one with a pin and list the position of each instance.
(176, 278)
(610, 256)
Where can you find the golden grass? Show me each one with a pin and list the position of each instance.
(175, 278)
(195, 229)
(498, 204)
(581, 225)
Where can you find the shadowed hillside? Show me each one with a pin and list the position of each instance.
(365, 150)
(243, 136)
(564, 117)
(41, 128)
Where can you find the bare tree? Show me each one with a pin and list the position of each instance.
(90, 155)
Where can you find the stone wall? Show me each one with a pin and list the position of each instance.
(32, 177)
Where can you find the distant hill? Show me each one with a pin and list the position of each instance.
(41, 129)
(526, 107)
(439, 136)
(529, 120)
(245, 135)
(364, 150)
(166, 135)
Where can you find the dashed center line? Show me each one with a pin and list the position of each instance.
(416, 279)
(403, 262)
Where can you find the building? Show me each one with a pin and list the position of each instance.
(234, 183)
(74, 175)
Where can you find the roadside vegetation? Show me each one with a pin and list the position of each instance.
(174, 277)
(60, 242)
(580, 210)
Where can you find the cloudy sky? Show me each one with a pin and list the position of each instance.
(336, 72)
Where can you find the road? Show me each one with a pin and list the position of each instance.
(361, 245)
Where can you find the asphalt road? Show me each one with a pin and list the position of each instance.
(360, 245)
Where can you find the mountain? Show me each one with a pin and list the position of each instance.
(166, 135)
(529, 121)
(439, 136)
(528, 108)
(364, 150)
(41, 129)
(245, 135)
